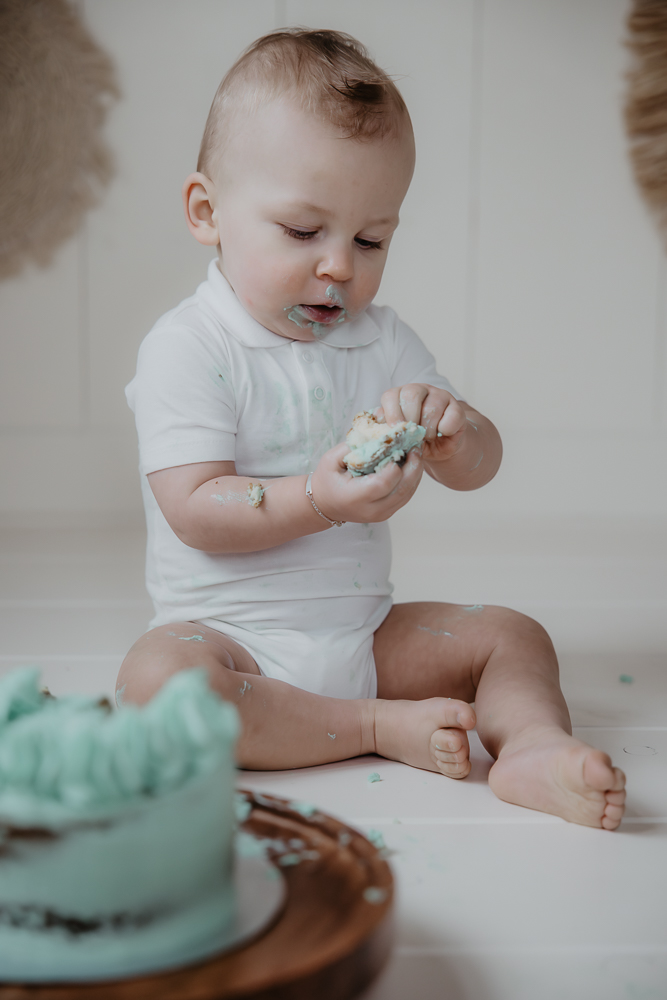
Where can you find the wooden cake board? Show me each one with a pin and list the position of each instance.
(330, 940)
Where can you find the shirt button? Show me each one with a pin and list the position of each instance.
(319, 392)
(307, 356)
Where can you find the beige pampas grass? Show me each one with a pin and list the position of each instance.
(55, 88)
(646, 107)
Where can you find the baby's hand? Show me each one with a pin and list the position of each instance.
(363, 499)
(435, 409)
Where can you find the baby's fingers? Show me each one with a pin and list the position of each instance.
(403, 402)
(453, 419)
(394, 479)
(383, 483)
(333, 459)
(411, 473)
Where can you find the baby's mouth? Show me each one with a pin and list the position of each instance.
(321, 314)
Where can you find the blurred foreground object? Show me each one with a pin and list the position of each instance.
(56, 85)
(646, 107)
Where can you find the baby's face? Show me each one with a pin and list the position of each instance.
(305, 218)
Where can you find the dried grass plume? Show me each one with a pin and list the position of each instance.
(646, 106)
(56, 85)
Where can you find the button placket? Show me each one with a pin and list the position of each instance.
(319, 403)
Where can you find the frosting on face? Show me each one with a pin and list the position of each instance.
(302, 320)
(74, 757)
(334, 296)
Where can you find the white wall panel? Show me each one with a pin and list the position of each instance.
(559, 476)
(40, 345)
(93, 470)
(568, 261)
(428, 45)
(660, 371)
(170, 58)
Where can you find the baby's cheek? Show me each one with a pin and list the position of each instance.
(366, 285)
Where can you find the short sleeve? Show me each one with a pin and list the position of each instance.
(410, 360)
(183, 400)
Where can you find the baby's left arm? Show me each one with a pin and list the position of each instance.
(462, 448)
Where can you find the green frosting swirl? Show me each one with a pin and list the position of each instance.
(79, 757)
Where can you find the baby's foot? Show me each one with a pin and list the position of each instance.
(428, 734)
(556, 773)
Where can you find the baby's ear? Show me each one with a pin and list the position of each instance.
(198, 202)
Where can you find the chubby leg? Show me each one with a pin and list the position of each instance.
(505, 663)
(282, 726)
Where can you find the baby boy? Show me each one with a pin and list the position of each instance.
(268, 562)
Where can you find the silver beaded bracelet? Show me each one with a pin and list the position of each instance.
(309, 494)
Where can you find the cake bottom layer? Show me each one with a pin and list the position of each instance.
(69, 952)
(47, 947)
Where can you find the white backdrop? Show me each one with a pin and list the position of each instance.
(524, 259)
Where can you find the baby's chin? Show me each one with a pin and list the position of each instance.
(294, 325)
(305, 336)
(298, 322)
(281, 326)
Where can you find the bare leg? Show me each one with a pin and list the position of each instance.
(282, 726)
(505, 662)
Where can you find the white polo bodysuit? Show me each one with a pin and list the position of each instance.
(214, 385)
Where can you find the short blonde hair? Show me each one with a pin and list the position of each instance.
(329, 72)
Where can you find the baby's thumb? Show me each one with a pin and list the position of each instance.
(333, 458)
(414, 461)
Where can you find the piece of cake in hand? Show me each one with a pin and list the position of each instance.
(373, 445)
(116, 830)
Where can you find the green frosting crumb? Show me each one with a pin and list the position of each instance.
(287, 860)
(377, 840)
(242, 808)
(372, 778)
(626, 679)
(305, 808)
(374, 894)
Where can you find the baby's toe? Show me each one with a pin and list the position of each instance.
(614, 809)
(599, 773)
(448, 757)
(450, 752)
(449, 741)
(619, 781)
(612, 817)
(460, 769)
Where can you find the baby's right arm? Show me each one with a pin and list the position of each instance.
(208, 507)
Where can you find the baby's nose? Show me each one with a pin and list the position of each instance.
(338, 265)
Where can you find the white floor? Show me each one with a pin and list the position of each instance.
(495, 902)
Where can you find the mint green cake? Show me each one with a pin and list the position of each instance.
(116, 830)
(374, 445)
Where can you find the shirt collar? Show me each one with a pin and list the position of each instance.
(221, 300)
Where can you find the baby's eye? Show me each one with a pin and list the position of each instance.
(299, 234)
(368, 244)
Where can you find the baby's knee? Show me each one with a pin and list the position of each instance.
(510, 625)
(164, 651)
(154, 658)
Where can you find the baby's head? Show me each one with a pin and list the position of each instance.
(306, 158)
